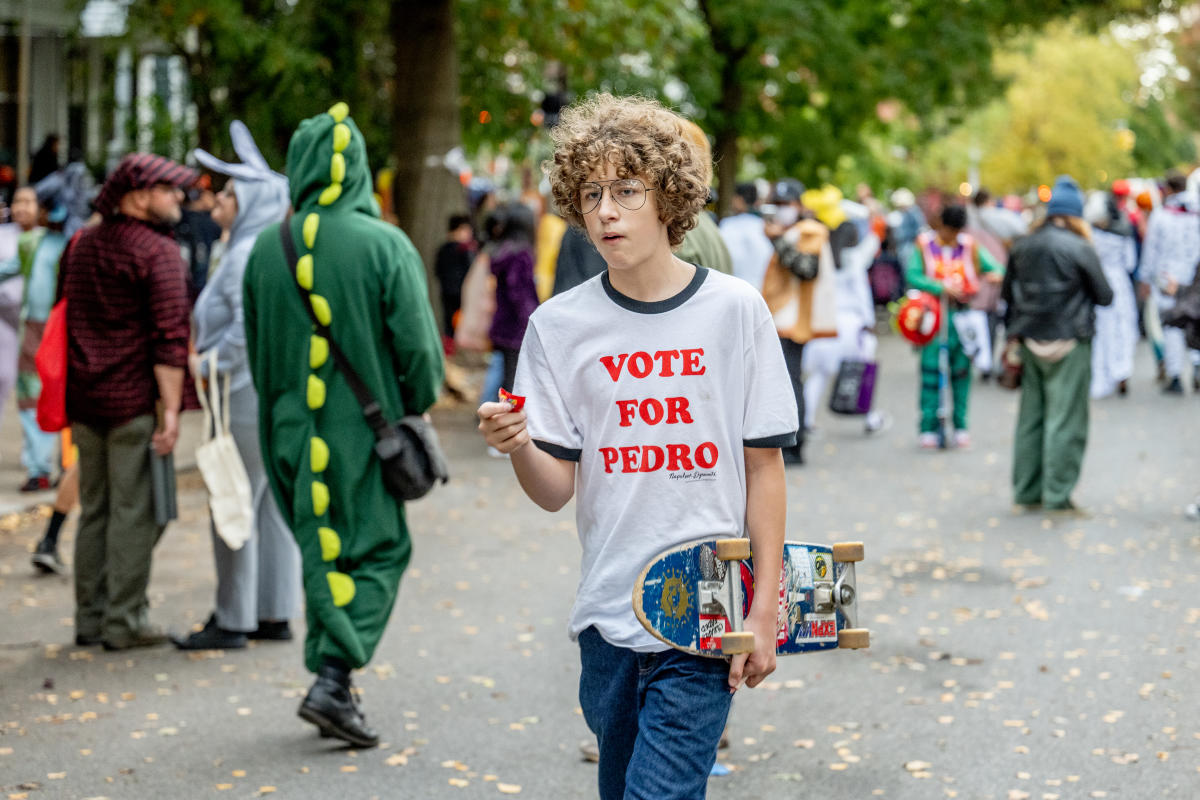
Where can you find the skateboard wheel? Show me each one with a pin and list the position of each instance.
(733, 549)
(733, 643)
(854, 638)
(844, 552)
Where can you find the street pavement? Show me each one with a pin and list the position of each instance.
(1013, 656)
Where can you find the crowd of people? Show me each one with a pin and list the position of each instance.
(596, 301)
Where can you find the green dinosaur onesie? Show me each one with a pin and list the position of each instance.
(368, 285)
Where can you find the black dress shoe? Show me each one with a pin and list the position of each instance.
(86, 640)
(331, 707)
(211, 637)
(272, 631)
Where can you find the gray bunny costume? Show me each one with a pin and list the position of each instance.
(261, 581)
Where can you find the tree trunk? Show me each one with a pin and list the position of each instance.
(729, 107)
(425, 123)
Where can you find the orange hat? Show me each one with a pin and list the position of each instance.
(1145, 201)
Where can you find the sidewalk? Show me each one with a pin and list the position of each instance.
(12, 474)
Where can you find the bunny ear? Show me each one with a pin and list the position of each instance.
(244, 146)
(242, 172)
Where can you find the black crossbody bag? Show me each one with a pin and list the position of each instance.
(408, 449)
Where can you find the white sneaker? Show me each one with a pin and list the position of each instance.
(1192, 509)
(878, 421)
(962, 440)
(928, 441)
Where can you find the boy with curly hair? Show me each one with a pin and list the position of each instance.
(657, 395)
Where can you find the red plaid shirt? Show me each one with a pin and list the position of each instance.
(127, 310)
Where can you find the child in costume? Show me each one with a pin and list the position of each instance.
(948, 261)
(367, 284)
(665, 426)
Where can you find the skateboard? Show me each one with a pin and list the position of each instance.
(695, 597)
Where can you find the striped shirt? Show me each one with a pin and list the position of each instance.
(127, 310)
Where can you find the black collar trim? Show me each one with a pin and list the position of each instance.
(656, 306)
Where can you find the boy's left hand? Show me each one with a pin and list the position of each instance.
(753, 668)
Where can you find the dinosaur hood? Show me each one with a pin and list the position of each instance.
(327, 166)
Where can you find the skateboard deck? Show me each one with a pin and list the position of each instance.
(694, 597)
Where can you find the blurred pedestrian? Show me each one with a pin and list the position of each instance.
(45, 160)
(950, 265)
(800, 291)
(1169, 256)
(24, 215)
(1115, 341)
(127, 342)
(364, 283)
(703, 244)
(258, 585)
(1053, 284)
(854, 307)
(510, 232)
(40, 251)
(745, 237)
(198, 233)
(450, 266)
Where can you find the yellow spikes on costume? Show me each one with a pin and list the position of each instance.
(320, 307)
(318, 454)
(304, 271)
(341, 137)
(320, 498)
(341, 586)
(337, 168)
(330, 194)
(311, 223)
(331, 544)
(318, 351)
(339, 111)
(316, 392)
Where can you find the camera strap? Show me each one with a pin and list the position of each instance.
(371, 409)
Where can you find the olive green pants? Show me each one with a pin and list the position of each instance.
(117, 531)
(1052, 427)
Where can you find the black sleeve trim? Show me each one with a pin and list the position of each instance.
(558, 451)
(779, 440)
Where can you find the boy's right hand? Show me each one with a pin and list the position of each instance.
(502, 428)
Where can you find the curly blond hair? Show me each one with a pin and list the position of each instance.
(637, 136)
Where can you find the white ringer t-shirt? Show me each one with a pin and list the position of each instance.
(655, 402)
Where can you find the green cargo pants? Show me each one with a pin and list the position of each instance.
(117, 531)
(1052, 427)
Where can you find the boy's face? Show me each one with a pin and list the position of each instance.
(24, 208)
(626, 238)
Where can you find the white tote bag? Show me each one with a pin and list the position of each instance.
(221, 464)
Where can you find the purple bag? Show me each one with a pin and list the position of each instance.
(854, 387)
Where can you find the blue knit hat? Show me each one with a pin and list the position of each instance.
(1065, 199)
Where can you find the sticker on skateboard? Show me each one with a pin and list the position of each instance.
(695, 597)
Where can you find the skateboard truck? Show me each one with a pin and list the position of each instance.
(842, 596)
(737, 640)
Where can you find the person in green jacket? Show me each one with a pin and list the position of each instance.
(948, 261)
(367, 284)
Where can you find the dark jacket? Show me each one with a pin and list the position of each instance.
(1186, 314)
(1053, 284)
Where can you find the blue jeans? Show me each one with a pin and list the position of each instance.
(657, 717)
(37, 451)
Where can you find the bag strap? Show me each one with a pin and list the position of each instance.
(371, 409)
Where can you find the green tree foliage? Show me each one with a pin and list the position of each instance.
(271, 64)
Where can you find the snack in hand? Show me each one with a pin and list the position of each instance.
(515, 400)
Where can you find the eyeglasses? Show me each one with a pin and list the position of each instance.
(628, 193)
